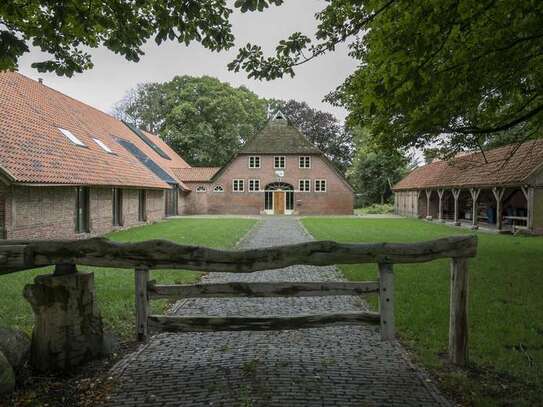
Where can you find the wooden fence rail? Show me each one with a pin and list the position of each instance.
(160, 254)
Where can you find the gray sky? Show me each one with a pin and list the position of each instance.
(112, 76)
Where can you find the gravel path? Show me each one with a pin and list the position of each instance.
(333, 366)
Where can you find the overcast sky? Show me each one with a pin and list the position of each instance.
(112, 76)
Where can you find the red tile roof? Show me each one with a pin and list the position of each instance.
(33, 150)
(508, 165)
(195, 174)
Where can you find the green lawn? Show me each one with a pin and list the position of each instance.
(115, 287)
(505, 308)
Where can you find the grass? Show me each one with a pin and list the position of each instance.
(505, 307)
(375, 209)
(115, 287)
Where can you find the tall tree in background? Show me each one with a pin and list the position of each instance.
(321, 128)
(455, 74)
(206, 120)
(203, 119)
(375, 170)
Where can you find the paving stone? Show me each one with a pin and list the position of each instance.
(331, 366)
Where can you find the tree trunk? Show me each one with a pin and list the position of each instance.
(68, 328)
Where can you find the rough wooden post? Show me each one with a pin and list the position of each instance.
(475, 212)
(498, 195)
(68, 329)
(458, 322)
(386, 301)
(529, 195)
(428, 196)
(456, 195)
(142, 303)
(440, 195)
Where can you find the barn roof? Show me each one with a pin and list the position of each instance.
(508, 165)
(196, 174)
(34, 149)
(279, 137)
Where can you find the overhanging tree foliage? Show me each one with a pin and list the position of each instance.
(64, 29)
(454, 73)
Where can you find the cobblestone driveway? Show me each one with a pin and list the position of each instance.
(333, 366)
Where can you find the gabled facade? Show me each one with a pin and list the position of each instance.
(277, 172)
(68, 170)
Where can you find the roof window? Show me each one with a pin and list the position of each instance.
(103, 145)
(70, 136)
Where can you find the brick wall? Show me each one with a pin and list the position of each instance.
(338, 198)
(49, 212)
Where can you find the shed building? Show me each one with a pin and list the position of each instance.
(501, 189)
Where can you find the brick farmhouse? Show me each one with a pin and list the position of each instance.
(277, 172)
(68, 170)
(501, 190)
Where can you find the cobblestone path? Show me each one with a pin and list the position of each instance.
(333, 366)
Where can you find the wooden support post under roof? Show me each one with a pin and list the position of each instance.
(440, 193)
(498, 195)
(475, 213)
(529, 195)
(456, 195)
(428, 196)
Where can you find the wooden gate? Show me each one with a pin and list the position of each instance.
(161, 254)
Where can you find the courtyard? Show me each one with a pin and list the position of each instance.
(506, 349)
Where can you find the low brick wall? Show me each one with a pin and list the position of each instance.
(49, 212)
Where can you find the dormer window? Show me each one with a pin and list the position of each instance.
(254, 161)
(103, 146)
(305, 161)
(70, 136)
(279, 161)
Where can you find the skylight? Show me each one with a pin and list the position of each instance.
(70, 136)
(102, 144)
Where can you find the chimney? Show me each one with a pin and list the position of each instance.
(40, 80)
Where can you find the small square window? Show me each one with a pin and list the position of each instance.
(70, 136)
(305, 185)
(254, 161)
(320, 185)
(305, 161)
(254, 185)
(279, 162)
(238, 185)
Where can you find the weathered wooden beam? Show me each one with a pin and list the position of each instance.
(258, 323)
(142, 303)
(458, 322)
(163, 254)
(475, 209)
(440, 193)
(498, 195)
(456, 195)
(386, 301)
(264, 289)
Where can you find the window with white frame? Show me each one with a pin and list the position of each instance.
(201, 188)
(103, 146)
(218, 188)
(305, 161)
(254, 185)
(320, 185)
(305, 185)
(70, 136)
(279, 161)
(238, 185)
(254, 161)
